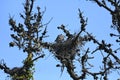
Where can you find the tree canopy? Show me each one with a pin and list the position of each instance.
(29, 36)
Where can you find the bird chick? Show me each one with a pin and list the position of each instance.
(60, 38)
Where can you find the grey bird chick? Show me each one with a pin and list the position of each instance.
(60, 38)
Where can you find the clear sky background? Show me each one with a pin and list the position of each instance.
(63, 12)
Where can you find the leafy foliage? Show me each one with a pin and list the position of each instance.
(67, 47)
(27, 37)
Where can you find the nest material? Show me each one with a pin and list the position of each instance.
(68, 48)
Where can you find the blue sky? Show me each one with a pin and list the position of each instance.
(63, 12)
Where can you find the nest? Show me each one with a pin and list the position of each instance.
(68, 48)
